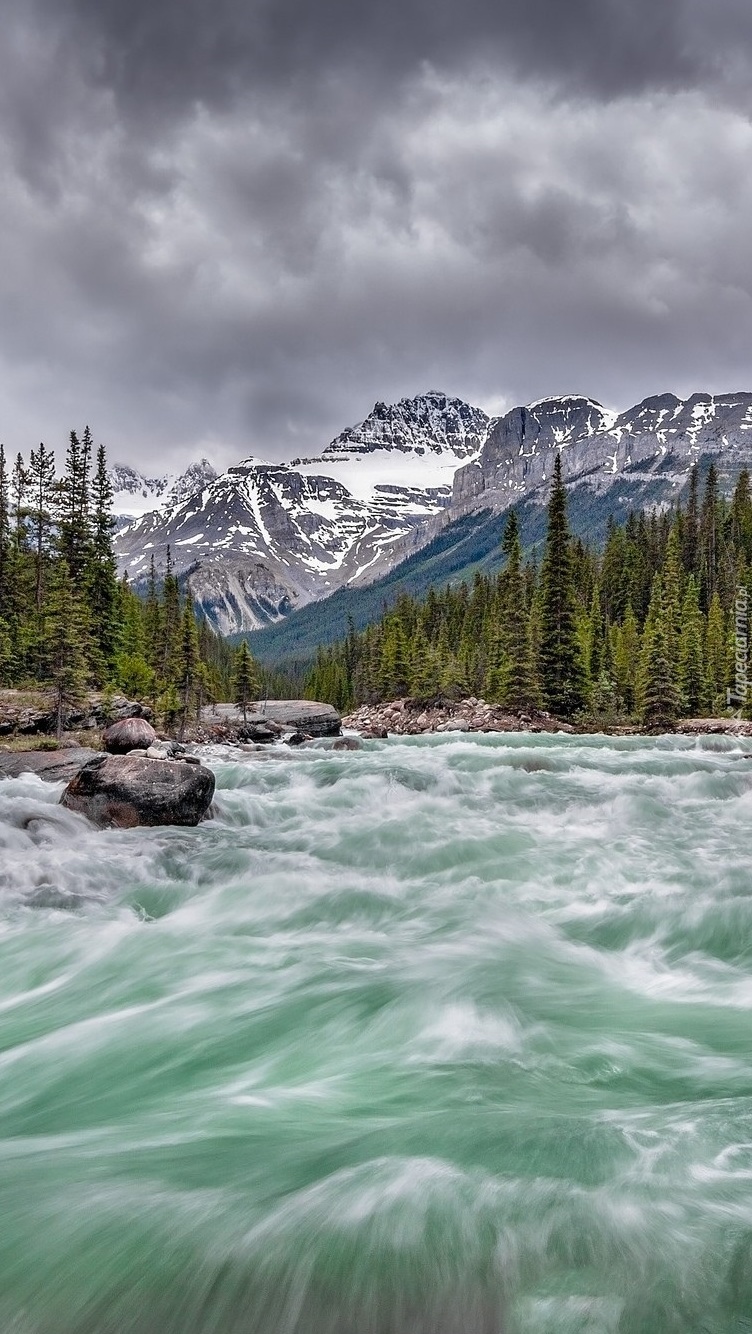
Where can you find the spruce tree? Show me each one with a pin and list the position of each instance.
(691, 535)
(658, 698)
(562, 669)
(709, 539)
(596, 637)
(740, 518)
(41, 487)
(4, 538)
(101, 574)
(716, 655)
(246, 680)
(188, 661)
(74, 531)
(425, 677)
(66, 642)
(170, 622)
(692, 680)
(20, 481)
(673, 591)
(626, 650)
(516, 682)
(395, 665)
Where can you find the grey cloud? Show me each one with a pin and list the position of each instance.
(171, 52)
(231, 230)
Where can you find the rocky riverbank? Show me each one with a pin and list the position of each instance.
(410, 717)
(31, 713)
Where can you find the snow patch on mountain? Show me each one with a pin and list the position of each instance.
(135, 495)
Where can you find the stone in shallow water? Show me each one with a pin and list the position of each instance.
(123, 791)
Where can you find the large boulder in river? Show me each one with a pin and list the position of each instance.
(284, 715)
(122, 791)
(128, 734)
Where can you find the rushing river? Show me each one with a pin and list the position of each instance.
(448, 1036)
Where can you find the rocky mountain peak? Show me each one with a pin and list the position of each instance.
(433, 421)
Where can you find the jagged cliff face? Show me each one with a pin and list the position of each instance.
(657, 442)
(264, 539)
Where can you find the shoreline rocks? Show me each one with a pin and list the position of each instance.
(125, 791)
(714, 727)
(411, 717)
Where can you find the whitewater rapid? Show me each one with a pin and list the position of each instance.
(450, 1035)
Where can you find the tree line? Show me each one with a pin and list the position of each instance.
(642, 631)
(67, 622)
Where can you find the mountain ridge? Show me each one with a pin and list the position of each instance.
(264, 539)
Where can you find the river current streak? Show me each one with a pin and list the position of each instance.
(447, 1036)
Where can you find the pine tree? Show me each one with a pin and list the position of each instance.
(562, 669)
(425, 676)
(740, 517)
(188, 661)
(101, 575)
(67, 640)
(395, 666)
(626, 651)
(4, 533)
(73, 515)
(716, 655)
(170, 622)
(709, 539)
(658, 697)
(19, 490)
(691, 536)
(692, 681)
(596, 637)
(41, 485)
(673, 591)
(516, 681)
(246, 680)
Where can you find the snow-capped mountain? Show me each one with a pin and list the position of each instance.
(135, 495)
(265, 538)
(648, 449)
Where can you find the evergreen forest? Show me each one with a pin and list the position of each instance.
(67, 622)
(644, 631)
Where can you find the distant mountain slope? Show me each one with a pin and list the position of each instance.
(464, 545)
(266, 539)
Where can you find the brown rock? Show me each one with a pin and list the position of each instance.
(128, 734)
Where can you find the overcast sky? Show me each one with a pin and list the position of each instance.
(229, 227)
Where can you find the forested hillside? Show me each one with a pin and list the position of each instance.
(66, 622)
(644, 629)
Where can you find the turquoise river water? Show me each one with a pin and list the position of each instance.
(448, 1036)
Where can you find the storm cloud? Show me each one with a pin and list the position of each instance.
(228, 229)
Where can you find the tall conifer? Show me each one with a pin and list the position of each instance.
(562, 669)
